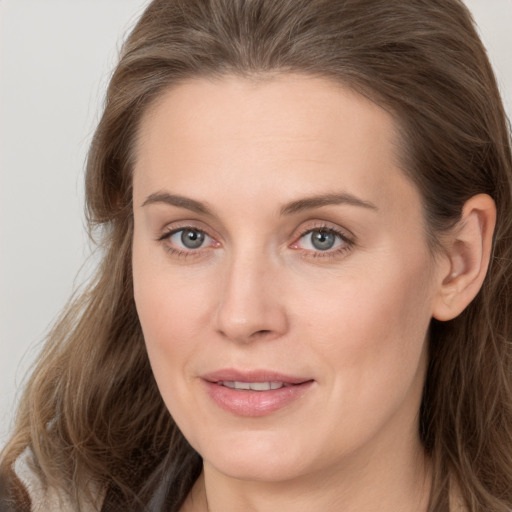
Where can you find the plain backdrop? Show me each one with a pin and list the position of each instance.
(55, 60)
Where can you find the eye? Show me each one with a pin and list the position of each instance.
(323, 240)
(188, 238)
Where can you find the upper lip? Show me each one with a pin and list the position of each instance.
(232, 375)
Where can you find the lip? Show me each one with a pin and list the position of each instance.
(252, 403)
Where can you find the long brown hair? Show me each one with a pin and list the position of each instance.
(91, 411)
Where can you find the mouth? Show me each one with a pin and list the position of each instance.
(254, 386)
(255, 393)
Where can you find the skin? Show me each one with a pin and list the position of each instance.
(259, 295)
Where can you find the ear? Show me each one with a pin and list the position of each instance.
(468, 249)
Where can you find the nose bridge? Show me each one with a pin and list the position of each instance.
(249, 303)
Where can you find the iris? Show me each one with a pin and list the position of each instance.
(192, 239)
(323, 240)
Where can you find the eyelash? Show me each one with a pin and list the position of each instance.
(180, 253)
(346, 242)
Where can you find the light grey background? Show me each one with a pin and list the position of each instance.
(55, 59)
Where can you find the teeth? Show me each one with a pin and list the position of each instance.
(260, 386)
(242, 385)
(253, 386)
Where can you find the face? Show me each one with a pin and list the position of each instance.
(281, 274)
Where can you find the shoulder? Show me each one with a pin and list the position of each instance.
(45, 498)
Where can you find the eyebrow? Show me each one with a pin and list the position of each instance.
(179, 201)
(307, 203)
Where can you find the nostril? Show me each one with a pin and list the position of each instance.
(261, 332)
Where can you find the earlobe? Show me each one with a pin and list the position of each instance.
(468, 249)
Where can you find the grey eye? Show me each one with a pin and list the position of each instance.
(191, 238)
(188, 238)
(322, 240)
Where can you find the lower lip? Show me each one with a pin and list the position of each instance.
(255, 403)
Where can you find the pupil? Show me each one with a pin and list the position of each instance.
(322, 240)
(192, 239)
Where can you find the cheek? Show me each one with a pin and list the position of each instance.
(169, 307)
(371, 303)
(370, 332)
(170, 316)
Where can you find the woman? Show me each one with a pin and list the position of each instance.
(304, 300)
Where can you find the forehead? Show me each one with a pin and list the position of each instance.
(281, 136)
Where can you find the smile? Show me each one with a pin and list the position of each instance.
(253, 386)
(254, 393)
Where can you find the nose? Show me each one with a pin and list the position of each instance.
(250, 306)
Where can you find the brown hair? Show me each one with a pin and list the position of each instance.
(92, 412)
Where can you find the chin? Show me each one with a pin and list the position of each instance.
(257, 456)
(262, 469)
